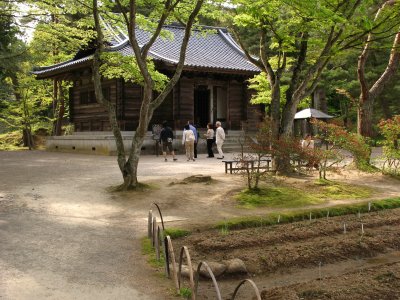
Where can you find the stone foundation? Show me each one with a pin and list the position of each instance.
(103, 143)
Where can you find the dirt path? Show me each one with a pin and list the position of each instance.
(64, 236)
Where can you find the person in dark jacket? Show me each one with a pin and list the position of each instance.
(166, 138)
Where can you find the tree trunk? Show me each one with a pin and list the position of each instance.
(275, 107)
(368, 96)
(364, 117)
(146, 113)
(288, 116)
(387, 114)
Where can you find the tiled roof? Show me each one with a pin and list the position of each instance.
(215, 50)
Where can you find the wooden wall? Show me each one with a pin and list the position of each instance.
(132, 98)
(255, 113)
(165, 112)
(186, 102)
(236, 105)
(88, 115)
(177, 109)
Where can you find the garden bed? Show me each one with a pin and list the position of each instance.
(286, 248)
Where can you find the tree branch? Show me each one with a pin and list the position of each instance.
(256, 62)
(168, 7)
(160, 98)
(390, 70)
(362, 59)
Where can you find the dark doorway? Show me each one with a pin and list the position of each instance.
(201, 106)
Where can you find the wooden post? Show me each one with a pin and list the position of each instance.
(157, 242)
(150, 224)
(153, 240)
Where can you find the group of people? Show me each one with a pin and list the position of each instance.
(190, 138)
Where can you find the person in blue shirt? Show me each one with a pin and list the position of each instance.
(196, 137)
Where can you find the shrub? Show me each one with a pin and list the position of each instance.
(352, 142)
(390, 129)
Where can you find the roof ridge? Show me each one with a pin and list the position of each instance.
(231, 42)
(195, 26)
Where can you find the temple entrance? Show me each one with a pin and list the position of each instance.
(201, 106)
(220, 105)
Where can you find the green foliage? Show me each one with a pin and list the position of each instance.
(63, 27)
(175, 233)
(116, 65)
(390, 129)
(260, 84)
(10, 141)
(29, 109)
(289, 217)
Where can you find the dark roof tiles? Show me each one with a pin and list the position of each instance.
(214, 49)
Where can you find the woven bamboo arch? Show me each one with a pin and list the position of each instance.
(173, 261)
(184, 250)
(210, 272)
(257, 292)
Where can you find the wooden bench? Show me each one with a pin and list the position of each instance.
(245, 164)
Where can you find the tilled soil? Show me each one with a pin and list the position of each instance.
(287, 248)
(300, 244)
(381, 282)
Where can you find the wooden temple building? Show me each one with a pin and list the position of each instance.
(213, 87)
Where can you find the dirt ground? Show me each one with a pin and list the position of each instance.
(64, 235)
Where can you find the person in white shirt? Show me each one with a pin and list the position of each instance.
(188, 139)
(308, 142)
(219, 139)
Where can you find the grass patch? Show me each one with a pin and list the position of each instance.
(176, 233)
(150, 252)
(336, 190)
(185, 292)
(283, 196)
(289, 217)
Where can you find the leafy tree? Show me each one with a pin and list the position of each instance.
(297, 40)
(12, 54)
(62, 28)
(163, 11)
(12, 51)
(28, 111)
(370, 93)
